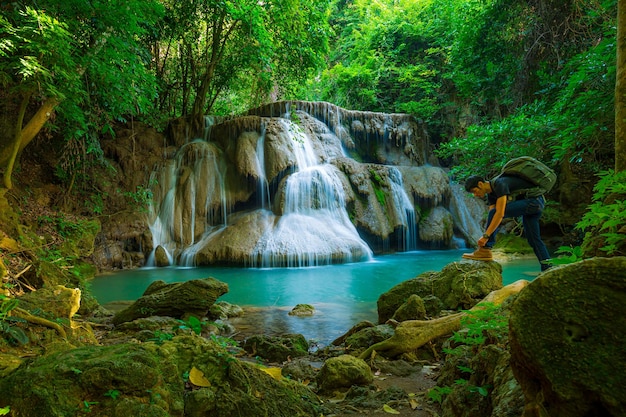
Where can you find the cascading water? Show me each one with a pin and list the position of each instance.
(404, 210)
(299, 184)
(189, 203)
(315, 228)
(263, 189)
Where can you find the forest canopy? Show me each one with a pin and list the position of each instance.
(534, 77)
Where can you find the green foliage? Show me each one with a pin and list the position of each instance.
(487, 324)
(141, 198)
(385, 60)
(231, 55)
(8, 324)
(567, 255)
(605, 220)
(113, 393)
(87, 406)
(5, 410)
(483, 324)
(160, 337)
(486, 148)
(192, 323)
(437, 393)
(87, 57)
(377, 184)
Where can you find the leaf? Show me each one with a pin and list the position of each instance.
(275, 373)
(5, 410)
(197, 378)
(390, 410)
(414, 404)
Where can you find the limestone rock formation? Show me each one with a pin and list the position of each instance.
(350, 183)
(194, 297)
(567, 332)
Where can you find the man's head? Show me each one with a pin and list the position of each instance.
(477, 186)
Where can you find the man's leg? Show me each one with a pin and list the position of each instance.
(533, 235)
(530, 210)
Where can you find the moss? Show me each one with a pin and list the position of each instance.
(511, 243)
(79, 237)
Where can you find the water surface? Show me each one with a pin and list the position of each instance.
(342, 295)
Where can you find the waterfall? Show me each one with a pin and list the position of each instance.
(263, 190)
(189, 203)
(404, 210)
(315, 228)
(466, 223)
(291, 184)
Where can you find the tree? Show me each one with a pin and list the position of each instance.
(84, 58)
(620, 89)
(211, 50)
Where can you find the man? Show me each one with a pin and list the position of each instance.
(506, 200)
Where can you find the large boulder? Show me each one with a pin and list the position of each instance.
(567, 332)
(459, 285)
(194, 297)
(185, 376)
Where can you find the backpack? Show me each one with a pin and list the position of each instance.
(533, 171)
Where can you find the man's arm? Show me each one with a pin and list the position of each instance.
(500, 206)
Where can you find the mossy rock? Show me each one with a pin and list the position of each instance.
(365, 338)
(342, 372)
(567, 332)
(277, 348)
(459, 285)
(149, 379)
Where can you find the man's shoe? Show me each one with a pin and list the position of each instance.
(480, 254)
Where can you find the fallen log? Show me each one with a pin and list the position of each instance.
(412, 334)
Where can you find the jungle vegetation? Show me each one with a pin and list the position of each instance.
(492, 79)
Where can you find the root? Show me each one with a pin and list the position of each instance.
(413, 334)
(21, 313)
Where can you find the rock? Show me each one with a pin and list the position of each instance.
(160, 257)
(223, 310)
(194, 297)
(567, 332)
(302, 310)
(490, 372)
(412, 309)
(148, 379)
(58, 301)
(459, 285)
(436, 228)
(342, 372)
(277, 348)
(365, 338)
(299, 370)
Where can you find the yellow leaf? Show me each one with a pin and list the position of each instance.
(414, 403)
(197, 378)
(390, 410)
(275, 373)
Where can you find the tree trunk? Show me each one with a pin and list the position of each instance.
(413, 334)
(23, 136)
(16, 141)
(620, 89)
